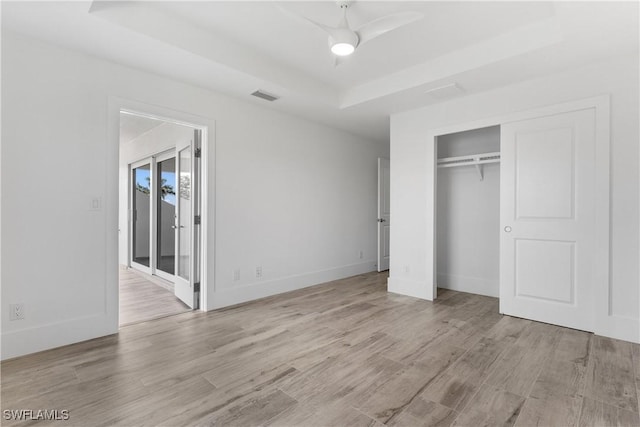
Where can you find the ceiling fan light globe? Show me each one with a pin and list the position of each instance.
(343, 49)
(343, 41)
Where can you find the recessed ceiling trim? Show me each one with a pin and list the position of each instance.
(518, 42)
(147, 19)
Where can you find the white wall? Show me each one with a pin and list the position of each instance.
(412, 184)
(468, 215)
(292, 196)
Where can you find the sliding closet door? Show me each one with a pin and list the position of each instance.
(547, 249)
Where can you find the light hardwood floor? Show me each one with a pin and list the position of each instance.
(142, 300)
(345, 353)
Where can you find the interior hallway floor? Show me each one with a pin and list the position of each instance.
(345, 353)
(141, 299)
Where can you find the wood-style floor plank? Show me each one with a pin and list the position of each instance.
(335, 415)
(610, 374)
(550, 411)
(596, 413)
(141, 299)
(556, 396)
(424, 413)
(519, 366)
(491, 406)
(345, 353)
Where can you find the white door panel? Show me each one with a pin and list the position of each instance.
(384, 213)
(556, 281)
(552, 153)
(548, 218)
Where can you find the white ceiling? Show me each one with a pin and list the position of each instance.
(236, 47)
(132, 126)
(264, 27)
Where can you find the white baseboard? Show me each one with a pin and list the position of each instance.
(472, 285)
(408, 287)
(235, 295)
(621, 328)
(39, 338)
(44, 337)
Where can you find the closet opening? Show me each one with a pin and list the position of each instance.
(519, 211)
(468, 211)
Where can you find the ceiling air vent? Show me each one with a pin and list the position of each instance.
(264, 95)
(444, 92)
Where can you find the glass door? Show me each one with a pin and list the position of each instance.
(184, 214)
(184, 282)
(166, 216)
(141, 216)
(165, 232)
(187, 279)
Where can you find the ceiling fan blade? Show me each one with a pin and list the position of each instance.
(327, 29)
(382, 25)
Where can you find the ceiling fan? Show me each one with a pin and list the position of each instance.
(343, 41)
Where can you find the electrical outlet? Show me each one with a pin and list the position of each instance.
(361, 254)
(236, 275)
(16, 311)
(95, 204)
(258, 271)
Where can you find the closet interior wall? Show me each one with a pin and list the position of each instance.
(468, 214)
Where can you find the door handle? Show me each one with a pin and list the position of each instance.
(175, 226)
(507, 229)
(382, 220)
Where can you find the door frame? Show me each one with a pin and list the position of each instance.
(207, 176)
(601, 106)
(152, 160)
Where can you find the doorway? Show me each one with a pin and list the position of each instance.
(384, 214)
(160, 217)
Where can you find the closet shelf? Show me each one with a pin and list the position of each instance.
(476, 160)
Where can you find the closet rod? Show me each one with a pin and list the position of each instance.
(473, 159)
(476, 160)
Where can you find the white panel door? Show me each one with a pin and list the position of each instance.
(384, 216)
(547, 193)
(186, 285)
